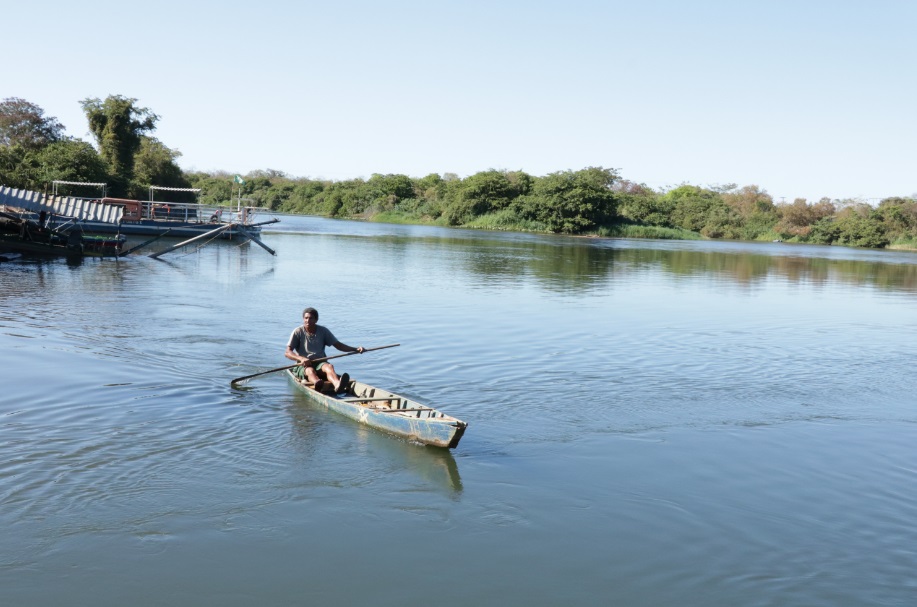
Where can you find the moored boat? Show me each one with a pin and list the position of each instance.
(137, 217)
(181, 220)
(20, 235)
(390, 412)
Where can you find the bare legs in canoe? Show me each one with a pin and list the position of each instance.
(324, 376)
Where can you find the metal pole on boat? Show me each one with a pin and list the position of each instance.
(212, 232)
(143, 244)
(256, 240)
(265, 222)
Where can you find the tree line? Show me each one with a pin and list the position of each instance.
(595, 200)
(35, 151)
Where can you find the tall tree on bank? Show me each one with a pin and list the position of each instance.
(24, 123)
(154, 164)
(572, 202)
(118, 126)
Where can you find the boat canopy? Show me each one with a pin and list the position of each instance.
(56, 183)
(167, 189)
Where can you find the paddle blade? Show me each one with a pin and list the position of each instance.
(239, 380)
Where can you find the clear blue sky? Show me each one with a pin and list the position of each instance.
(803, 98)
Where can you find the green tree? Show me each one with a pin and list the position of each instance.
(24, 123)
(69, 160)
(855, 225)
(640, 204)
(431, 187)
(899, 216)
(215, 188)
(269, 174)
(118, 126)
(383, 192)
(154, 164)
(275, 196)
(754, 209)
(343, 198)
(485, 192)
(64, 160)
(572, 202)
(430, 193)
(859, 231)
(699, 210)
(302, 199)
(254, 182)
(13, 172)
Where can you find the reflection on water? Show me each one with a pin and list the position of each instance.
(436, 467)
(651, 423)
(563, 263)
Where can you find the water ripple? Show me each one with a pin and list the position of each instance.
(676, 420)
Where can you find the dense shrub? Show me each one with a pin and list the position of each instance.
(572, 202)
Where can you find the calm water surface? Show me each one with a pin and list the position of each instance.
(650, 423)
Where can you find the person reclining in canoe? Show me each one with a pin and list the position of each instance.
(307, 342)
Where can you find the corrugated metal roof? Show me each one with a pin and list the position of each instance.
(88, 210)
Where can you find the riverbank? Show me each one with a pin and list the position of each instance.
(506, 222)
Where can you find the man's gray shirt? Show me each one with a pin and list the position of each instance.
(311, 346)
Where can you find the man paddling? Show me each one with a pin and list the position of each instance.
(307, 342)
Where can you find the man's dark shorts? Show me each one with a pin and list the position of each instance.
(299, 370)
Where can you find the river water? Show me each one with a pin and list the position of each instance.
(650, 423)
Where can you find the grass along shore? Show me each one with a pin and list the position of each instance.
(506, 221)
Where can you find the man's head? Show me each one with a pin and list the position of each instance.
(309, 317)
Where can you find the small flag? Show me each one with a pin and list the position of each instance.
(239, 180)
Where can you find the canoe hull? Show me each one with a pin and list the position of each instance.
(391, 413)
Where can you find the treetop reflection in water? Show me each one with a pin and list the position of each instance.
(579, 264)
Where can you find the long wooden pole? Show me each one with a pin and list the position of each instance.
(143, 244)
(256, 240)
(212, 232)
(239, 380)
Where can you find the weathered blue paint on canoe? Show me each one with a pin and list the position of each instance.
(390, 412)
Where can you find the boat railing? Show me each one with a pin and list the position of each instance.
(174, 211)
(197, 213)
(186, 212)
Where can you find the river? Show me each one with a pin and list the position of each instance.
(650, 423)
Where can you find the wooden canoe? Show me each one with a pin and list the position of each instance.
(391, 413)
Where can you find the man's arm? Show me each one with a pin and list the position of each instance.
(292, 355)
(345, 348)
